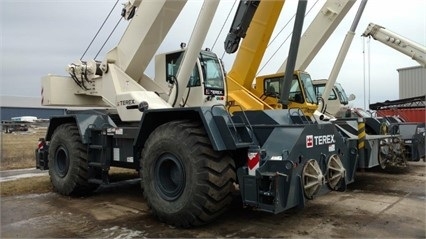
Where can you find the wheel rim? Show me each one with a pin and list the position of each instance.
(313, 178)
(169, 177)
(335, 171)
(62, 161)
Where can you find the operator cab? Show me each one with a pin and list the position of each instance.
(336, 93)
(206, 83)
(302, 94)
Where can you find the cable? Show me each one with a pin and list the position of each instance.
(218, 35)
(369, 71)
(177, 91)
(363, 67)
(187, 97)
(270, 58)
(116, 25)
(273, 54)
(93, 39)
(313, 5)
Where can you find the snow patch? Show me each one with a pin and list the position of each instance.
(26, 175)
(124, 233)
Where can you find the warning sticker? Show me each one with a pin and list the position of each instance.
(309, 141)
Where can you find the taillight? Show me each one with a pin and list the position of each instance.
(41, 143)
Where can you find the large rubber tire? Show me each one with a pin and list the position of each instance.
(186, 183)
(68, 167)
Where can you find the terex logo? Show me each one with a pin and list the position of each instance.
(319, 140)
(125, 102)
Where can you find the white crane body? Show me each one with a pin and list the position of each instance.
(400, 43)
(119, 82)
(318, 32)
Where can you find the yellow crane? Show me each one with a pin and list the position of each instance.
(266, 93)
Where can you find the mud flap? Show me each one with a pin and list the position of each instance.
(42, 162)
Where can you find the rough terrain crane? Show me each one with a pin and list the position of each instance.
(242, 73)
(375, 149)
(300, 92)
(413, 133)
(191, 159)
(401, 146)
(402, 44)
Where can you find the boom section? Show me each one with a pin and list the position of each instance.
(402, 44)
(144, 35)
(318, 32)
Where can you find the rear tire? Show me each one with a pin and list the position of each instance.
(68, 167)
(186, 183)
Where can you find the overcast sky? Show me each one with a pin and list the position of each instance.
(41, 37)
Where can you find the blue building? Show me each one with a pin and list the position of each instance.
(15, 106)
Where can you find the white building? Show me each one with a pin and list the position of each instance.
(412, 82)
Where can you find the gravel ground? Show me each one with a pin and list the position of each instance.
(378, 205)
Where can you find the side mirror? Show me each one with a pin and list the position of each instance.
(351, 97)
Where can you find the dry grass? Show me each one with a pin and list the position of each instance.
(22, 186)
(41, 184)
(17, 149)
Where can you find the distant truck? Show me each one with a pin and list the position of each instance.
(19, 123)
(11, 126)
(29, 119)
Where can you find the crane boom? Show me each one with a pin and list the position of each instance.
(402, 44)
(253, 47)
(241, 75)
(143, 36)
(318, 32)
(341, 56)
(292, 54)
(195, 44)
(240, 24)
(119, 82)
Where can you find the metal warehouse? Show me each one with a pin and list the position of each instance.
(15, 106)
(412, 81)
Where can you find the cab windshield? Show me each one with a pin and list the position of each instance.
(212, 71)
(342, 94)
(272, 86)
(309, 88)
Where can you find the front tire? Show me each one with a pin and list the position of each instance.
(186, 183)
(68, 168)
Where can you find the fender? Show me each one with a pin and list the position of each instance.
(84, 120)
(151, 119)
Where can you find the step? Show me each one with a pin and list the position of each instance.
(96, 146)
(95, 164)
(95, 181)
